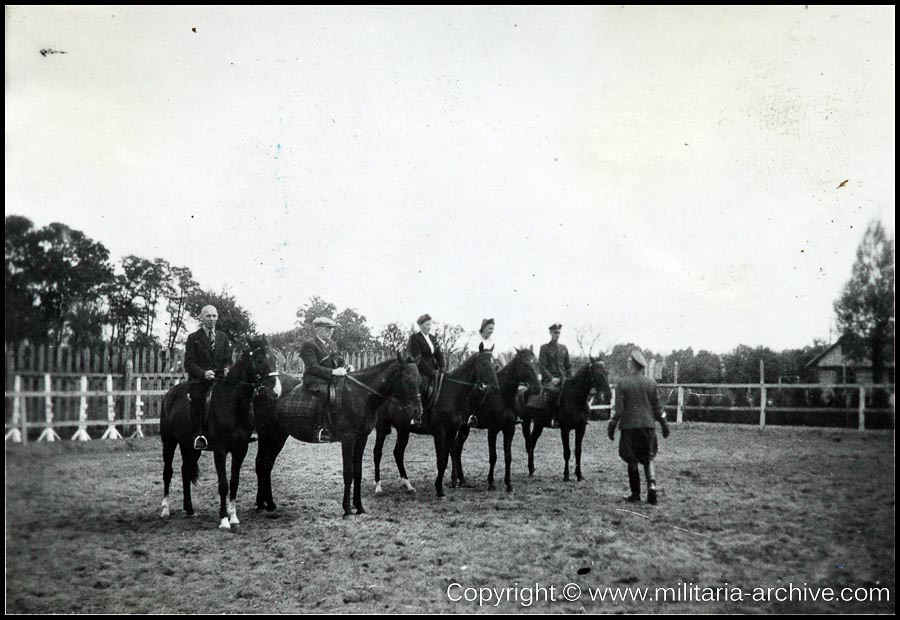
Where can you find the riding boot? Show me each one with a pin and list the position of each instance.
(634, 482)
(199, 436)
(324, 435)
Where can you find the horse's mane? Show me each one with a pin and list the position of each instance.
(466, 366)
(369, 371)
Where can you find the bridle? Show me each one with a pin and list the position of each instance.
(376, 392)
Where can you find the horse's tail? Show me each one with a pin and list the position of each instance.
(195, 472)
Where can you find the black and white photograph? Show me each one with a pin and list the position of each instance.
(450, 309)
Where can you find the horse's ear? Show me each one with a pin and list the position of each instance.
(481, 347)
(531, 348)
(492, 348)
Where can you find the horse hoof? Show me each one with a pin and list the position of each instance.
(407, 485)
(360, 511)
(189, 514)
(165, 512)
(491, 487)
(347, 515)
(378, 489)
(233, 520)
(454, 485)
(441, 494)
(580, 478)
(509, 488)
(531, 473)
(224, 524)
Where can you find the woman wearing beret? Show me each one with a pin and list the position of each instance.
(423, 346)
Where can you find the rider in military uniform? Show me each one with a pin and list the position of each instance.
(320, 363)
(636, 413)
(424, 347)
(207, 356)
(555, 365)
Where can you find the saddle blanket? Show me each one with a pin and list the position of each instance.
(298, 414)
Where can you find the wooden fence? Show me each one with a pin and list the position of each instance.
(105, 388)
(26, 358)
(846, 405)
(43, 401)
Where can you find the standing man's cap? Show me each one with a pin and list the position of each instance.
(423, 318)
(639, 358)
(324, 321)
(485, 323)
(556, 327)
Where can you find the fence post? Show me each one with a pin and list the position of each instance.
(48, 434)
(111, 432)
(126, 401)
(862, 408)
(138, 410)
(15, 434)
(81, 434)
(679, 412)
(762, 394)
(612, 401)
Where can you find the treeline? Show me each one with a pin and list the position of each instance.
(740, 365)
(62, 288)
(353, 332)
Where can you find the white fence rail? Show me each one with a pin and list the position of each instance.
(765, 397)
(125, 406)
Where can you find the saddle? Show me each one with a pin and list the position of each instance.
(298, 411)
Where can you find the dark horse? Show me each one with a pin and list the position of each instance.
(361, 393)
(500, 409)
(229, 425)
(462, 392)
(571, 413)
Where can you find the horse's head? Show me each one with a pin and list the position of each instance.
(259, 366)
(599, 380)
(404, 385)
(484, 370)
(526, 369)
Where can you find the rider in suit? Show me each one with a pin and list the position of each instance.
(424, 347)
(207, 356)
(320, 364)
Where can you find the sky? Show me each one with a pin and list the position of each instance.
(663, 176)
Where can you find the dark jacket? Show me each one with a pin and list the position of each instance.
(318, 363)
(199, 357)
(637, 403)
(429, 363)
(554, 361)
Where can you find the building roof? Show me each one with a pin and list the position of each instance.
(843, 359)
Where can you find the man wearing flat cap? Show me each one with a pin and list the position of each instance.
(636, 414)
(320, 364)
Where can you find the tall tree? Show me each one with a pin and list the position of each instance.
(183, 286)
(352, 333)
(22, 316)
(69, 273)
(865, 309)
(394, 338)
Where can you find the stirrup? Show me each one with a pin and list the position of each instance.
(472, 421)
(323, 436)
(200, 443)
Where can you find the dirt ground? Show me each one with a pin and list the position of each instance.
(757, 508)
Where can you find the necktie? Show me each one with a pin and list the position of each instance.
(212, 340)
